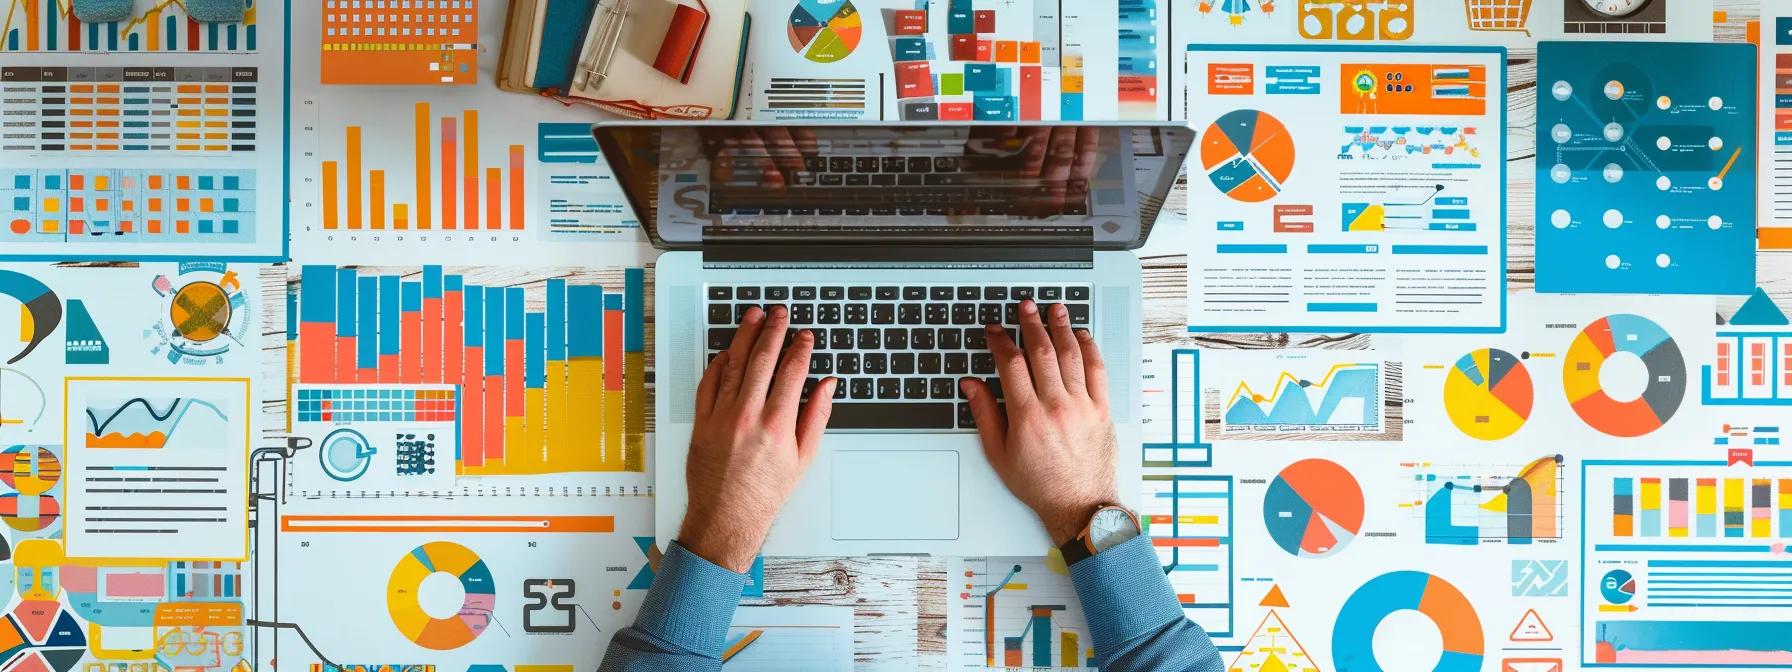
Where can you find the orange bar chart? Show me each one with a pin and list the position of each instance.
(357, 196)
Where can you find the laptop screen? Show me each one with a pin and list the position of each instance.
(696, 181)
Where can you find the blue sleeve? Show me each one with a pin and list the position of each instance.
(1133, 614)
(683, 623)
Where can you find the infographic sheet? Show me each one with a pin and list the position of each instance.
(150, 138)
(1645, 176)
(1401, 227)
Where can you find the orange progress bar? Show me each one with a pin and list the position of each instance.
(584, 524)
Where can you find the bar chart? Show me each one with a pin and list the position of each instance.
(1702, 508)
(1683, 562)
(450, 189)
(1018, 612)
(1189, 521)
(50, 25)
(555, 389)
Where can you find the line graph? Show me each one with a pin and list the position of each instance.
(148, 428)
(1347, 396)
(50, 25)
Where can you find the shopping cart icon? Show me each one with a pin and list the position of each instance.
(1499, 15)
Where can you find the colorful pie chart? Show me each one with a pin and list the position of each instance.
(825, 31)
(404, 601)
(1248, 155)
(1353, 640)
(1618, 587)
(1488, 394)
(1313, 508)
(1619, 336)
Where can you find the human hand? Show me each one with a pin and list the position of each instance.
(753, 439)
(1055, 449)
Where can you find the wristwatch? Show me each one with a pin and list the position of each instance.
(1111, 526)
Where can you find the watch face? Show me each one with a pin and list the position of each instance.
(1110, 527)
(1614, 8)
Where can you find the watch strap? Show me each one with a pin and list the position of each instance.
(1077, 549)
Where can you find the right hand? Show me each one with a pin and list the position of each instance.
(1055, 449)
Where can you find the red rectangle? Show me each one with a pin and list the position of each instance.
(345, 356)
(430, 354)
(472, 401)
(955, 111)
(1029, 92)
(986, 50)
(908, 22)
(451, 338)
(612, 351)
(983, 20)
(914, 79)
(513, 378)
(1231, 79)
(410, 347)
(964, 47)
(317, 352)
(684, 35)
(388, 371)
(1293, 219)
(494, 418)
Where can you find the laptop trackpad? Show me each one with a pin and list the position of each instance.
(895, 494)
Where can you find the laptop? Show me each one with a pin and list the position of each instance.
(895, 243)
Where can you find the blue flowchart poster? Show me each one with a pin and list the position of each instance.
(1646, 168)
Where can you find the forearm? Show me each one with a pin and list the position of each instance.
(1133, 614)
(683, 622)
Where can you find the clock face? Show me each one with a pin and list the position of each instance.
(1110, 527)
(1614, 8)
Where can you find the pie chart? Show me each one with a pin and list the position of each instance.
(1248, 155)
(1353, 640)
(403, 596)
(1313, 508)
(825, 31)
(1618, 587)
(1624, 335)
(1488, 394)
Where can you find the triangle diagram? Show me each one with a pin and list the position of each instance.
(1272, 648)
(1759, 311)
(1531, 629)
(1275, 598)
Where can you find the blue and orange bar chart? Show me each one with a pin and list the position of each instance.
(51, 25)
(556, 390)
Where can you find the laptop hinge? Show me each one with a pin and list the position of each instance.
(961, 247)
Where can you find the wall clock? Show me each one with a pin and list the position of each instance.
(1614, 8)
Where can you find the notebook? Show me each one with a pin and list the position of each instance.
(648, 59)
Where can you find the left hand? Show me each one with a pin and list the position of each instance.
(752, 440)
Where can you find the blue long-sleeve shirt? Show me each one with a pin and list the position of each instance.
(1132, 612)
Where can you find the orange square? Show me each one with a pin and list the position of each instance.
(77, 204)
(1007, 51)
(182, 226)
(183, 182)
(129, 205)
(205, 205)
(77, 225)
(76, 180)
(1029, 52)
(183, 205)
(155, 181)
(155, 226)
(102, 205)
(100, 182)
(155, 204)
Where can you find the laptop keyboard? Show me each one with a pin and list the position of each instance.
(898, 350)
(884, 186)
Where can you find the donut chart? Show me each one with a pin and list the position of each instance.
(1353, 640)
(1313, 508)
(1635, 335)
(1488, 394)
(1248, 155)
(441, 634)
